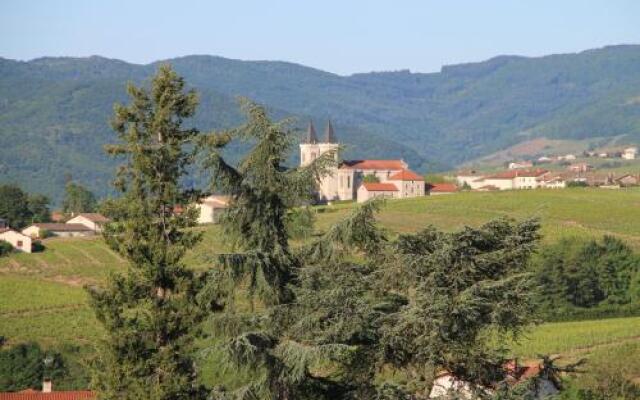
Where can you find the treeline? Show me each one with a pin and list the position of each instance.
(587, 278)
(20, 209)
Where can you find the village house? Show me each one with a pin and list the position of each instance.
(345, 181)
(472, 179)
(446, 383)
(211, 208)
(514, 179)
(3, 223)
(628, 180)
(580, 167)
(16, 239)
(520, 165)
(93, 221)
(370, 190)
(544, 160)
(57, 229)
(630, 153)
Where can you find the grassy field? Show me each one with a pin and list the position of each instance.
(42, 296)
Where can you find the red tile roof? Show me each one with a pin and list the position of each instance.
(31, 394)
(374, 164)
(380, 187)
(406, 175)
(443, 187)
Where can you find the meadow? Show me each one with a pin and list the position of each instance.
(42, 296)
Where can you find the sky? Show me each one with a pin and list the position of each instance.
(343, 37)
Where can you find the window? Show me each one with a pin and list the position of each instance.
(348, 182)
(19, 243)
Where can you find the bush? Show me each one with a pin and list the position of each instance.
(37, 247)
(572, 184)
(5, 248)
(44, 234)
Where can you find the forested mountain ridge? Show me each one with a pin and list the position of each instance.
(54, 112)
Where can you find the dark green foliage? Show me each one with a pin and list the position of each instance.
(335, 311)
(300, 222)
(20, 209)
(53, 108)
(371, 178)
(574, 184)
(39, 208)
(78, 199)
(573, 273)
(23, 366)
(469, 286)
(5, 248)
(150, 313)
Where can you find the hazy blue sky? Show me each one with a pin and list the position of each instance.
(338, 36)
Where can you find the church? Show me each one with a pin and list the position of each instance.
(385, 178)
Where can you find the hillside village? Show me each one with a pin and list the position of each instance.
(470, 233)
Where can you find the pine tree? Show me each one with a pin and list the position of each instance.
(471, 292)
(149, 313)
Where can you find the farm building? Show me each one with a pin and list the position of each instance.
(211, 207)
(93, 221)
(628, 180)
(57, 229)
(630, 153)
(16, 239)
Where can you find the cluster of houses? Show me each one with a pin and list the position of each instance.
(542, 179)
(83, 224)
(630, 153)
(511, 179)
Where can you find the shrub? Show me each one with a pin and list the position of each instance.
(5, 248)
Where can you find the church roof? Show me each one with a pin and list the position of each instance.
(329, 135)
(406, 175)
(374, 164)
(380, 187)
(311, 134)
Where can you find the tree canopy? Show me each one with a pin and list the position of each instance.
(78, 199)
(19, 208)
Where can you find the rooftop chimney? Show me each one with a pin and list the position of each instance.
(47, 386)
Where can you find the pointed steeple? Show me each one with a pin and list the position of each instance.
(311, 134)
(329, 136)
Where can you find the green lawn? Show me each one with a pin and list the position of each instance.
(577, 337)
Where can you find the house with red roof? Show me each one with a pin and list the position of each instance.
(346, 180)
(47, 393)
(436, 189)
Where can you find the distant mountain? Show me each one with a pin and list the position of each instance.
(54, 112)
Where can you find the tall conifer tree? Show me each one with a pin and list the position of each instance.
(149, 312)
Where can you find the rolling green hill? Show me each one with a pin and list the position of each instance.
(54, 112)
